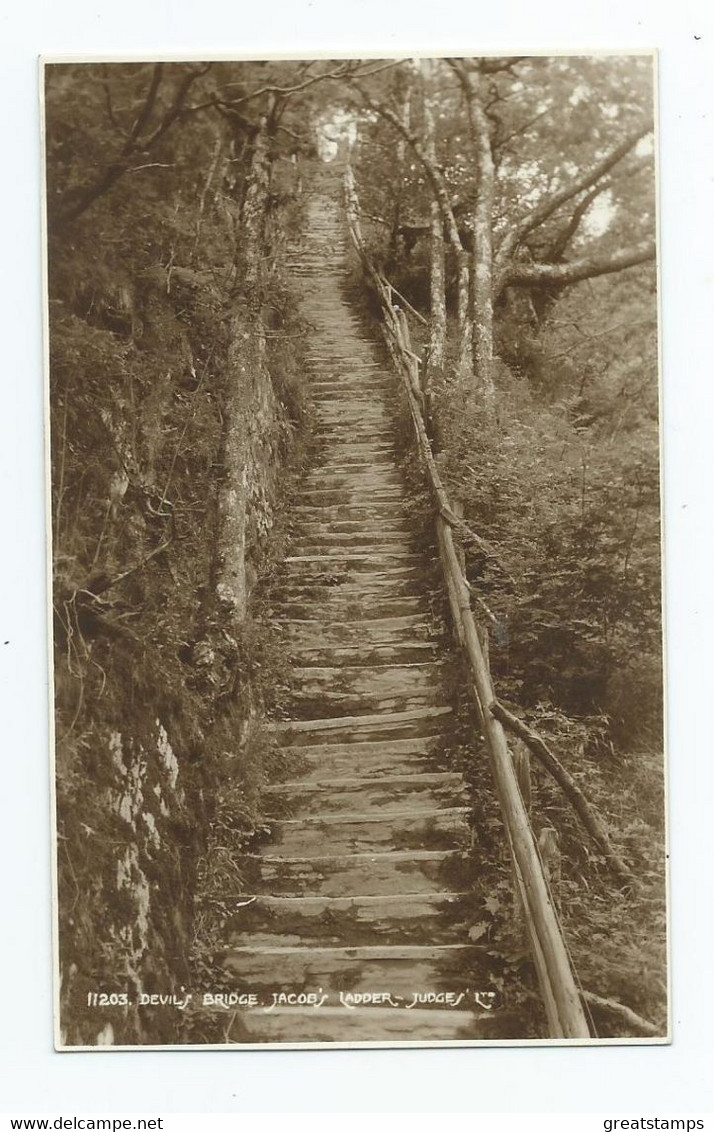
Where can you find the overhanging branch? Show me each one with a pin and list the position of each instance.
(547, 207)
(563, 274)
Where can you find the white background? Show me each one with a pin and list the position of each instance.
(623, 1080)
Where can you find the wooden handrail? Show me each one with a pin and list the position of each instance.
(563, 1006)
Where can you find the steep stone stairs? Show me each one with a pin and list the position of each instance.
(363, 887)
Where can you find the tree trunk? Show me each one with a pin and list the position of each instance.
(437, 258)
(405, 114)
(253, 214)
(464, 363)
(245, 358)
(441, 195)
(482, 269)
(482, 251)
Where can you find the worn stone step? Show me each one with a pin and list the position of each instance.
(402, 793)
(393, 529)
(351, 600)
(377, 512)
(347, 585)
(368, 760)
(347, 409)
(358, 432)
(360, 874)
(343, 544)
(357, 469)
(374, 400)
(429, 828)
(373, 681)
(401, 970)
(348, 562)
(352, 607)
(365, 655)
(365, 481)
(416, 918)
(355, 496)
(360, 574)
(358, 421)
(344, 450)
(377, 598)
(370, 727)
(367, 382)
(369, 1025)
(333, 703)
(409, 629)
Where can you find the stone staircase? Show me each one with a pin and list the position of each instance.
(364, 886)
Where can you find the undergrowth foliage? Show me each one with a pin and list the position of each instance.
(154, 749)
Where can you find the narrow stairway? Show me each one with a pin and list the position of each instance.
(362, 889)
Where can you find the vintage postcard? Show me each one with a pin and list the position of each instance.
(355, 510)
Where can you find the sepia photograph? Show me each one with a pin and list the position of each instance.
(355, 511)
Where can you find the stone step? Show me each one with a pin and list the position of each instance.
(401, 970)
(345, 451)
(348, 562)
(369, 395)
(365, 380)
(378, 631)
(358, 432)
(371, 761)
(370, 727)
(347, 409)
(334, 704)
(378, 593)
(376, 606)
(355, 496)
(361, 573)
(343, 544)
(379, 680)
(372, 513)
(356, 469)
(371, 832)
(316, 654)
(401, 793)
(342, 583)
(417, 918)
(360, 874)
(351, 419)
(353, 529)
(364, 480)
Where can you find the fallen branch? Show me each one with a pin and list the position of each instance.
(635, 1021)
(591, 820)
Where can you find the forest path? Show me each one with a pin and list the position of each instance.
(363, 888)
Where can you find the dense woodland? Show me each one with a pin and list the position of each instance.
(511, 204)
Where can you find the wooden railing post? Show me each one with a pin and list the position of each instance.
(522, 767)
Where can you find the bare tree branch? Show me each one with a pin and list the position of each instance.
(286, 91)
(82, 197)
(587, 267)
(547, 207)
